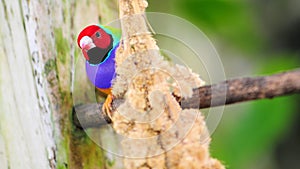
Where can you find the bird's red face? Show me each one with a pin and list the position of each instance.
(95, 44)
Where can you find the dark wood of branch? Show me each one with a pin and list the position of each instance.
(224, 93)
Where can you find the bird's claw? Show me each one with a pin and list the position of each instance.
(106, 108)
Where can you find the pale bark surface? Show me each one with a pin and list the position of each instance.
(37, 60)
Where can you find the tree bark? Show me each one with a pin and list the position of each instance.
(37, 60)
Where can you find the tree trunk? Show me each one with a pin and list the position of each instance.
(37, 60)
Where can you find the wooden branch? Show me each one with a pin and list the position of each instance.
(224, 93)
(245, 89)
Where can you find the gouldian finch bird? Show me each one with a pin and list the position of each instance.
(98, 45)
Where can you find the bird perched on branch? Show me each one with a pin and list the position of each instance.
(98, 44)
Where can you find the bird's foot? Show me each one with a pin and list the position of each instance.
(106, 108)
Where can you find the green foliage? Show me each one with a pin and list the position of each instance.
(278, 62)
(250, 130)
(261, 125)
(230, 20)
(253, 132)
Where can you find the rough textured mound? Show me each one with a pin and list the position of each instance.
(156, 132)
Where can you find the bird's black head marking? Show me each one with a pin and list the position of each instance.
(98, 55)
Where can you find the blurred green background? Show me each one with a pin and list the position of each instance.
(252, 37)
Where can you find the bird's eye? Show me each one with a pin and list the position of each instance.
(98, 35)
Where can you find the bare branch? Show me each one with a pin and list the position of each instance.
(224, 93)
(245, 89)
